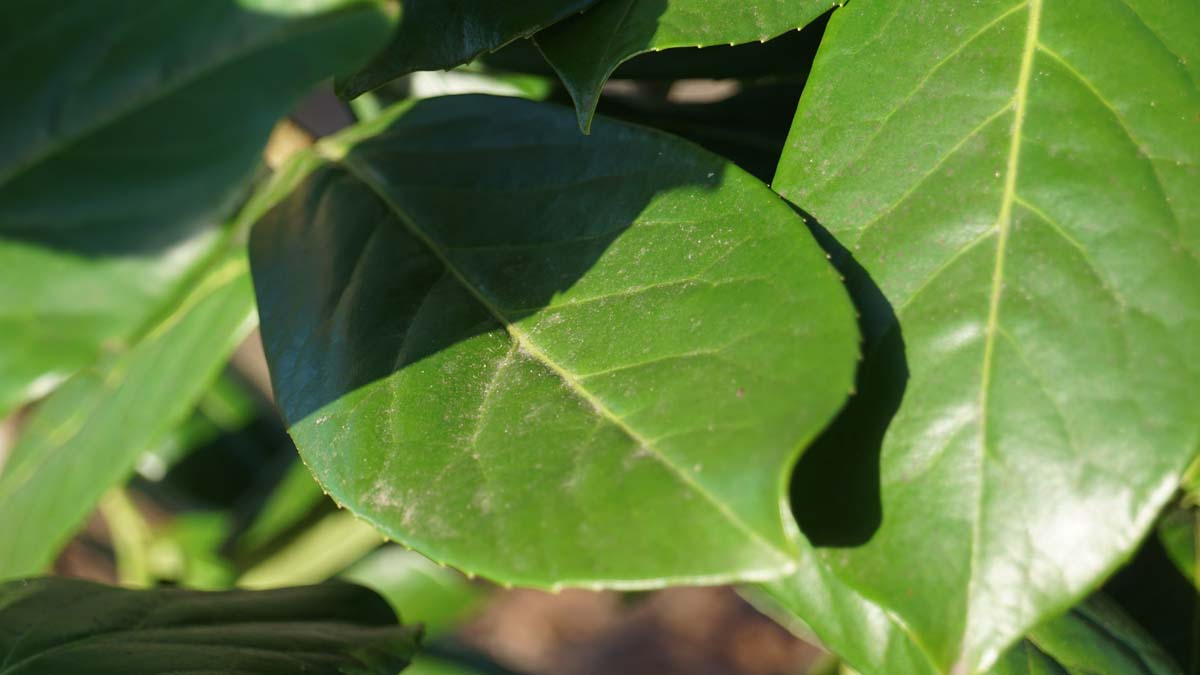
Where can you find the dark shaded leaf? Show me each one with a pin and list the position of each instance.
(129, 131)
(57, 625)
(622, 29)
(438, 35)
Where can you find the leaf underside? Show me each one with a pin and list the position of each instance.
(1020, 205)
(548, 358)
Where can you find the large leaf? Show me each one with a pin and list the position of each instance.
(585, 50)
(70, 626)
(548, 358)
(1021, 203)
(1093, 637)
(438, 35)
(129, 130)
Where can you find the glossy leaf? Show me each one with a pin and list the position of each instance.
(586, 50)
(70, 626)
(438, 35)
(813, 602)
(1094, 637)
(1021, 206)
(129, 132)
(548, 358)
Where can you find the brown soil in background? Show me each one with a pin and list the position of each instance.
(693, 631)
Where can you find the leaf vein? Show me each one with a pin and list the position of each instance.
(866, 146)
(524, 342)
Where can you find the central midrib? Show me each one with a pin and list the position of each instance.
(526, 344)
(1003, 226)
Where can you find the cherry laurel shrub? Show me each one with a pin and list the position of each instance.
(888, 312)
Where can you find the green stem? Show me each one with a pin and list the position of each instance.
(328, 547)
(130, 536)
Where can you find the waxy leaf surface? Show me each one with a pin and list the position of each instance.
(1017, 187)
(549, 358)
(129, 131)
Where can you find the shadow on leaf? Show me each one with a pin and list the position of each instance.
(835, 488)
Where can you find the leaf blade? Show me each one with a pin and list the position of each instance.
(989, 222)
(501, 317)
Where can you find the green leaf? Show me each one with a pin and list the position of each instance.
(320, 551)
(1178, 531)
(225, 408)
(132, 129)
(426, 665)
(813, 602)
(293, 499)
(1023, 202)
(69, 626)
(435, 596)
(438, 35)
(1094, 637)
(88, 435)
(548, 358)
(187, 551)
(787, 57)
(585, 50)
